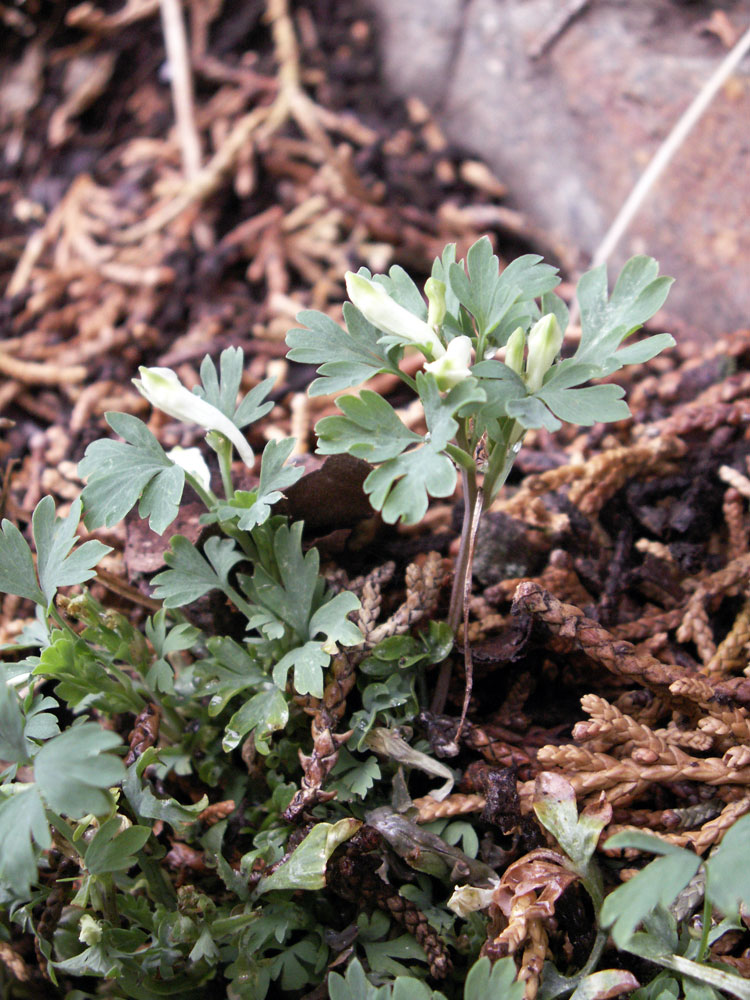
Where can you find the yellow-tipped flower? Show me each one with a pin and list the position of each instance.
(163, 389)
(453, 366)
(545, 341)
(379, 308)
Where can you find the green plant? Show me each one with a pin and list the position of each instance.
(477, 413)
(127, 868)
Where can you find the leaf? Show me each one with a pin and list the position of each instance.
(493, 982)
(17, 574)
(401, 486)
(254, 507)
(305, 868)
(594, 404)
(54, 537)
(370, 429)
(605, 323)
(555, 808)
(330, 619)
(74, 769)
(292, 595)
(353, 777)
(531, 412)
(346, 357)
(119, 473)
(265, 713)
(146, 805)
(658, 883)
(605, 984)
(13, 746)
(221, 390)
(22, 823)
(190, 574)
(113, 849)
(728, 870)
(309, 661)
(354, 984)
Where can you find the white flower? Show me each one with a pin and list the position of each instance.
(163, 389)
(453, 366)
(545, 341)
(467, 899)
(191, 460)
(379, 308)
(89, 930)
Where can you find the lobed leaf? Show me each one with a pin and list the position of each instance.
(73, 770)
(22, 824)
(120, 473)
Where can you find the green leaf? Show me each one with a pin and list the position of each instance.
(400, 488)
(605, 323)
(594, 404)
(113, 849)
(73, 770)
(305, 868)
(353, 777)
(728, 870)
(309, 661)
(13, 746)
(531, 412)
(22, 823)
(146, 805)
(17, 574)
(370, 429)
(493, 982)
(83, 678)
(292, 596)
(330, 620)
(354, 984)
(265, 713)
(221, 389)
(658, 883)
(190, 574)
(254, 507)
(54, 538)
(119, 473)
(346, 357)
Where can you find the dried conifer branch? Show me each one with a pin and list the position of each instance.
(733, 509)
(326, 715)
(571, 631)
(423, 583)
(732, 652)
(457, 804)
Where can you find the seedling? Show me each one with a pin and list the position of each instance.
(492, 370)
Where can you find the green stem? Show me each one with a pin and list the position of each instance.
(703, 946)
(208, 498)
(224, 453)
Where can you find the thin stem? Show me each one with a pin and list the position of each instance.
(206, 495)
(461, 576)
(224, 453)
(703, 946)
(468, 664)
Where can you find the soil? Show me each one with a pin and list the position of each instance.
(614, 567)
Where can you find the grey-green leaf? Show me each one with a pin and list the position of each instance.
(73, 770)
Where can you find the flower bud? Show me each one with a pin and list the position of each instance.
(545, 341)
(435, 292)
(163, 389)
(514, 350)
(382, 311)
(191, 460)
(453, 366)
